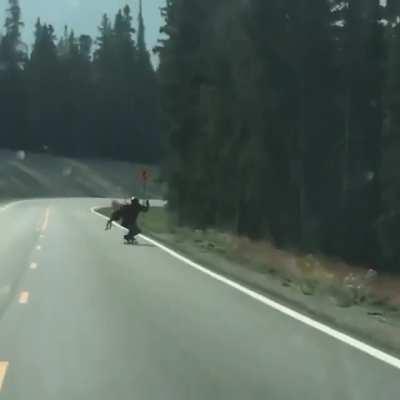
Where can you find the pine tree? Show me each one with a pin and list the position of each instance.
(114, 65)
(146, 99)
(103, 56)
(12, 47)
(124, 82)
(392, 10)
(13, 96)
(85, 47)
(103, 61)
(184, 23)
(62, 45)
(269, 94)
(44, 84)
(73, 45)
(364, 57)
(77, 95)
(65, 87)
(389, 223)
(141, 36)
(13, 22)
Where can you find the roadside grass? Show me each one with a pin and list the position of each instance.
(157, 220)
(345, 285)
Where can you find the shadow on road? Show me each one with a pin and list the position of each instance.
(140, 245)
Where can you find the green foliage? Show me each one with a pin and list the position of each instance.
(43, 82)
(71, 99)
(13, 93)
(126, 90)
(13, 25)
(274, 112)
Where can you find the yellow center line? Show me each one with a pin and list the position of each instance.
(3, 370)
(23, 297)
(33, 265)
(46, 220)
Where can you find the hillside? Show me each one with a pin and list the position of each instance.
(26, 175)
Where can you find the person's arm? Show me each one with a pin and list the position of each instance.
(146, 207)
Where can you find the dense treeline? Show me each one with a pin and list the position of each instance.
(284, 121)
(78, 96)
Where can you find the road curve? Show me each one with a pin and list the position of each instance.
(83, 316)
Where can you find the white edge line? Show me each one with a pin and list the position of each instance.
(9, 205)
(6, 207)
(342, 337)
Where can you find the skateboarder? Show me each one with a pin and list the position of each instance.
(128, 214)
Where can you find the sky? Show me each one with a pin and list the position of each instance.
(83, 16)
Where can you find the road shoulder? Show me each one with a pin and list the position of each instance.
(357, 321)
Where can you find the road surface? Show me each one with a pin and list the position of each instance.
(85, 317)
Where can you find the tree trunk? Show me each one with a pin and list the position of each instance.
(345, 170)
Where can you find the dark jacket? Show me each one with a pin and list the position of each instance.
(129, 213)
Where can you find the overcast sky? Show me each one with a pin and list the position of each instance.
(83, 16)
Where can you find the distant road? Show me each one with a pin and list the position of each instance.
(84, 317)
(42, 175)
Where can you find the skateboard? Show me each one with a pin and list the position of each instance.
(132, 242)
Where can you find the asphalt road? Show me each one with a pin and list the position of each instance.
(85, 317)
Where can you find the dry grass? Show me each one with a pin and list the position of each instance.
(344, 284)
